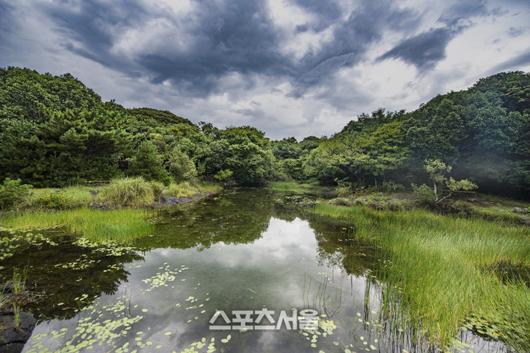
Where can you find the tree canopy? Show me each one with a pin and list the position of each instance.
(54, 131)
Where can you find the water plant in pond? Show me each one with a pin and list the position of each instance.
(18, 288)
(438, 262)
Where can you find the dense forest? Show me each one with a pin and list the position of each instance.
(54, 131)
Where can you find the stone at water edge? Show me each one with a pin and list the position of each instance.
(13, 338)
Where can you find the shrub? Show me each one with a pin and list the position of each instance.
(63, 199)
(127, 192)
(381, 202)
(184, 189)
(341, 201)
(424, 194)
(390, 186)
(158, 189)
(13, 193)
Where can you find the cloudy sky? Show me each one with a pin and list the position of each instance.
(288, 67)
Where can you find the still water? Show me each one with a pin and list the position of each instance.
(242, 250)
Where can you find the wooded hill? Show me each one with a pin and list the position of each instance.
(54, 131)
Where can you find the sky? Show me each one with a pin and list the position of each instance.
(288, 67)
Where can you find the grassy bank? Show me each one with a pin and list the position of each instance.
(118, 211)
(445, 269)
(126, 192)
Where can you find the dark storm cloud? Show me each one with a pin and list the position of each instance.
(230, 36)
(423, 50)
(90, 30)
(224, 37)
(426, 49)
(235, 36)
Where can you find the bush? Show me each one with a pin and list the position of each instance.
(390, 186)
(341, 201)
(63, 199)
(13, 193)
(424, 194)
(127, 192)
(184, 189)
(381, 202)
(158, 189)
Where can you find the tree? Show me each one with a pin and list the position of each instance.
(180, 166)
(443, 186)
(148, 163)
(245, 151)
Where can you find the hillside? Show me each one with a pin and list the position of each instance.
(55, 131)
(483, 132)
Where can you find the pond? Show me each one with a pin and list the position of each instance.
(240, 253)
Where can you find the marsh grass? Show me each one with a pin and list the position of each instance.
(121, 225)
(442, 269)
(308, 189)
(127, 192)
(124, 192)
(3, 300)
(18, 284)
(60, 199)
(187, 189)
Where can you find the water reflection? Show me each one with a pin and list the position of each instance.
(64, 275)
(239, 251)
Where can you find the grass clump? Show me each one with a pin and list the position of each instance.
(443, 269)
(291, 186)
(128, 192)
(121, 225)
(186, 189)
(60, 199)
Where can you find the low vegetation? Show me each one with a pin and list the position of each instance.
(124, 192)
(438, 262)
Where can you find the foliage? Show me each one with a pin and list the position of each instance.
(13, 193)
(443, 186)
(224, 175)
(244, 151)
(148, 163)
(54, 131)
(180, 166)
(59, 199)
(128, 192)
(186, 189)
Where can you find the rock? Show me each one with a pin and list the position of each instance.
(12, 348)
(13, 338)
(171, 200)
(520, 210)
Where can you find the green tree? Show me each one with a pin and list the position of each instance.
(180, 166)
(148, 163)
